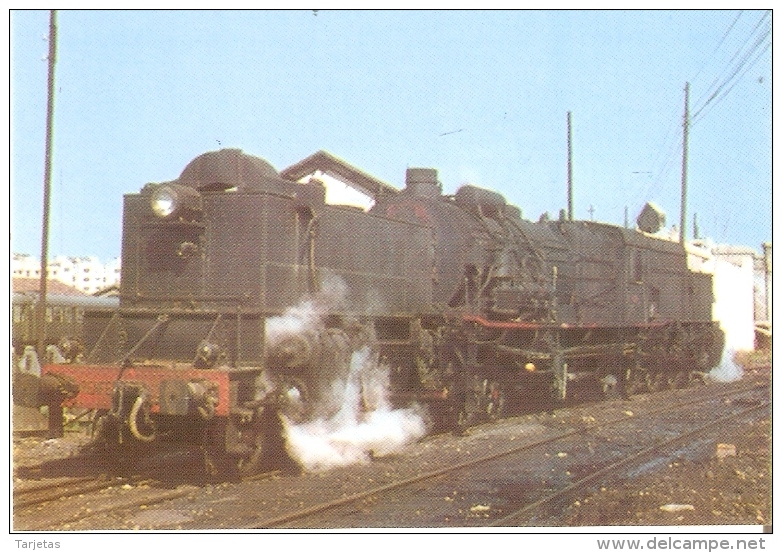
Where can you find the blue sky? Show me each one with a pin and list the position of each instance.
(481, 96)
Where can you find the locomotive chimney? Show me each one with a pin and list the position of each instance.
(423, 182)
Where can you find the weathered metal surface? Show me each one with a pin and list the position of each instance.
(450, 291)
(96, 389)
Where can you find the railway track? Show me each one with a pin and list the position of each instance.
(582, 484)
(35, 507)
(315, 515)
(44, 492)
(60, 516)
(89, 496)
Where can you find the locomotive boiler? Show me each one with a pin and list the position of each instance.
(243, 295)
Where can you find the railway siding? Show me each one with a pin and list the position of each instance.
(251, 503)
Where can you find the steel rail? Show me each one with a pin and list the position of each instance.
(55, 491)
(582, 483)
(326, 506)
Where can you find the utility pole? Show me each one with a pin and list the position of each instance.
(569, 168)
(47, 178)
(55, 411)
(686, 125)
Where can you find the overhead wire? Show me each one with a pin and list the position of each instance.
(719, 44)
(730, 71)
(720, 87)
(721, 93)
(720, 74)
(670, 137)
(666, 154)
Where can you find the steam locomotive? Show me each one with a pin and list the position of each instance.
(244, 294)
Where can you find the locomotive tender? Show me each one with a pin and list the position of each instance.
(465, 302)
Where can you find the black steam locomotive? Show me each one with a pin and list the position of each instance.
(243, 294)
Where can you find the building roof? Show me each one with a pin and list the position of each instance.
(728, 249)
(52, 287)
(338, 168)
(111, 291)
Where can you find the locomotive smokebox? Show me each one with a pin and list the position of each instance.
(295, 350)
(423, 182)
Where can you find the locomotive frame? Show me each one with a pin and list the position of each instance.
(468, 305)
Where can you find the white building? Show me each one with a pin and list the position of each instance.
(25, 266)
(344, 183)
(85, 273)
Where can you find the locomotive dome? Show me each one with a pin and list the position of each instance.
(227, 168)
(455, 301)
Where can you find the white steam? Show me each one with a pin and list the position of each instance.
(307, 315)
(364, 427)
(727, 370)
(296, 320)
(353, 420)
(732, 270)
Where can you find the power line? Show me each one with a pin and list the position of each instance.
(716, 48)
(730, 61)
(717, 97)
(664, 157)
(732, 70)
(670, 137)
(664, 161)
(720, 87)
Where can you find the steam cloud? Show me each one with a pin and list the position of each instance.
(354, 435)
(306, 316)
(354, 419)
(727, 370)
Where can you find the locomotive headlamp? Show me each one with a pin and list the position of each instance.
(173, 200)
(163, 202)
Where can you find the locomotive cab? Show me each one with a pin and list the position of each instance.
(211, 262)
